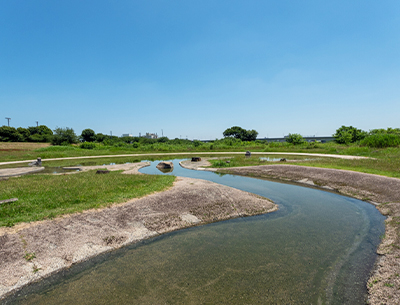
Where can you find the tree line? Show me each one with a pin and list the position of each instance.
(379, 138)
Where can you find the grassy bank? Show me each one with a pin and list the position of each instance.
(47, 196)
(19, 151)
(385, 162)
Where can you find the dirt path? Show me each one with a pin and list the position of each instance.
(18, 171)
(190, 153)
(29, 252)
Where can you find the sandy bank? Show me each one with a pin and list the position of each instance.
(29, 252)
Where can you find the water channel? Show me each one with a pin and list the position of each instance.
(318, 248)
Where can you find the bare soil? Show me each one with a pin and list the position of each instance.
(384, 192)
(29, 252)
(13, 146)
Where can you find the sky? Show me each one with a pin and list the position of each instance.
(191, 69)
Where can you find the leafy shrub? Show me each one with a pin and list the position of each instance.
(197, 143)
(381, 140)
(219, 163)
(135, 145)
(349, 134)
(64, 136)
(312, 145)
(295, 139)
(87, 145)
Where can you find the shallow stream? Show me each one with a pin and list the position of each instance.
(318, 248)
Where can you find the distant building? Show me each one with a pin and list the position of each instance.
(127, 135)
(322, 139)
(150, 135)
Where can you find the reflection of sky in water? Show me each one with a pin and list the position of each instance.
(315, 248)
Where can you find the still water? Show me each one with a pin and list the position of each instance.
(319, 248)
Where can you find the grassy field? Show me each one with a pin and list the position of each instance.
(46, 196)
(385, 162)
(30, 151)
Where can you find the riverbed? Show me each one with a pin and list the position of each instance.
(319, 247)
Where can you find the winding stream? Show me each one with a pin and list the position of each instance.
(318, 248)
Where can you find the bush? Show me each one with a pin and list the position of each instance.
(88, 145)
(295, 139)
(64, 136)
(197, 143)
(381, 140)
(349, 134)
(219, 163)
(10, 134)
(312, 145)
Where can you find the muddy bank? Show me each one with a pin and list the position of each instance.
(29, 252)
(384, 192)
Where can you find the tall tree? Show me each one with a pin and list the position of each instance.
(240, 133)
(88, 135)
(64, 136)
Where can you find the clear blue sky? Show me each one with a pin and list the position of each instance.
(195, 68)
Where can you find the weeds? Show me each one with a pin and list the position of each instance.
(29, 256)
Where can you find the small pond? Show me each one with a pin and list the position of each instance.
(318, 248)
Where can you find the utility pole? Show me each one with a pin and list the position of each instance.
(37, 123)
(162, 133)
(8, 119)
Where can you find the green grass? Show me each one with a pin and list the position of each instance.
(47, 196)
(385, 162)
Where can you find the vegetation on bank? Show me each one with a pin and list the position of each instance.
(46, 196)
(385, 162)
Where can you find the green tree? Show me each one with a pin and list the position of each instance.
(100, 137)
(349, 134)
(385, 131)
(40, 133)
(24, 132)
(64, 136)
(240, 133)
(88, 135)
(295, 139)
(10, 134)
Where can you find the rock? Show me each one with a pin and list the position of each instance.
(248, 154)
(102, 171)
(165, 165)
(8, 200)
(38, 162)
(196, 159)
